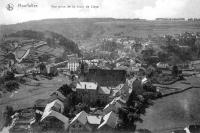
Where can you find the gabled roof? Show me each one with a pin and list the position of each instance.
(109, 107)
(81, 117)
(104, 90)
(48, 111)
(114, 105)
(55, 103)
(25, 54)
(110, 120)
(59, 95)
(125, 89)
(119, 99)
(57, 115)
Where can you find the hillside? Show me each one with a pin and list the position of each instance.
(33, 45)
(52, 39)
(89, 32)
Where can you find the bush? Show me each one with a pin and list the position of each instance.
(11, 85)
(9, 76)
(8, 112)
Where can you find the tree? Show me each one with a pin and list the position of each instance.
(163, 56)
(8, 112)
(175, 71)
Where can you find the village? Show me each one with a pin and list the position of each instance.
(106, 89)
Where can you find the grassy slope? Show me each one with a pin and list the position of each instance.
(27, 94)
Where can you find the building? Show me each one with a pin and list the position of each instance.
(195, 65)
(106, 77)
(125, 91)
(94, 120)
(55, 105)
(53, 114)
(161, 65)
(109, 122)
(73, 65)
(91, 92)
(79, 123)
(84, 122)
(114, 105)
(87, 91)
(94, 62)
(104, 94)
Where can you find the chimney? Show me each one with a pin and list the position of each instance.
(111, 91)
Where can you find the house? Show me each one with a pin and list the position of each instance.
(73, 65)
(53, 68)
(161, 65)
(137, 86)
(39, 44)
(87, 91)
(109, 121)
(55, 105)
(103, 94)
(79, 123)
(125, 91)
(195, 64)
(114, 105)
(91, 92)
(94, 62)
(58, 95)
(94, 121)
(84, 122)
(21, 121)
(53, 113)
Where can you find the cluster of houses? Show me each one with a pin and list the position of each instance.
(97, 119)
(105, 119)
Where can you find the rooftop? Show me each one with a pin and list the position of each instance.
(87, 85)
(81, 117)
(104, 90)
(94, 119)
(55, 105)
(110, 120)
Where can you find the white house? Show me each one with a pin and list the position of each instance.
(79, 123)
(55, 109)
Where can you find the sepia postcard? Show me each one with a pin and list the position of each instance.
(99, 66)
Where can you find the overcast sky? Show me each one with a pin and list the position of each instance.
(147, 9)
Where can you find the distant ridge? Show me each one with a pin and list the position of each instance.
(88, 32)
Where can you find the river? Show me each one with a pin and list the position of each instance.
(173, 112)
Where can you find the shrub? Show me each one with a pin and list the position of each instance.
(8, 112)
(11, 85)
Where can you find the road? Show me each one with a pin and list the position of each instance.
(173, 112)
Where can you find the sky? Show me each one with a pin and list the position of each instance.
(144, 9)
